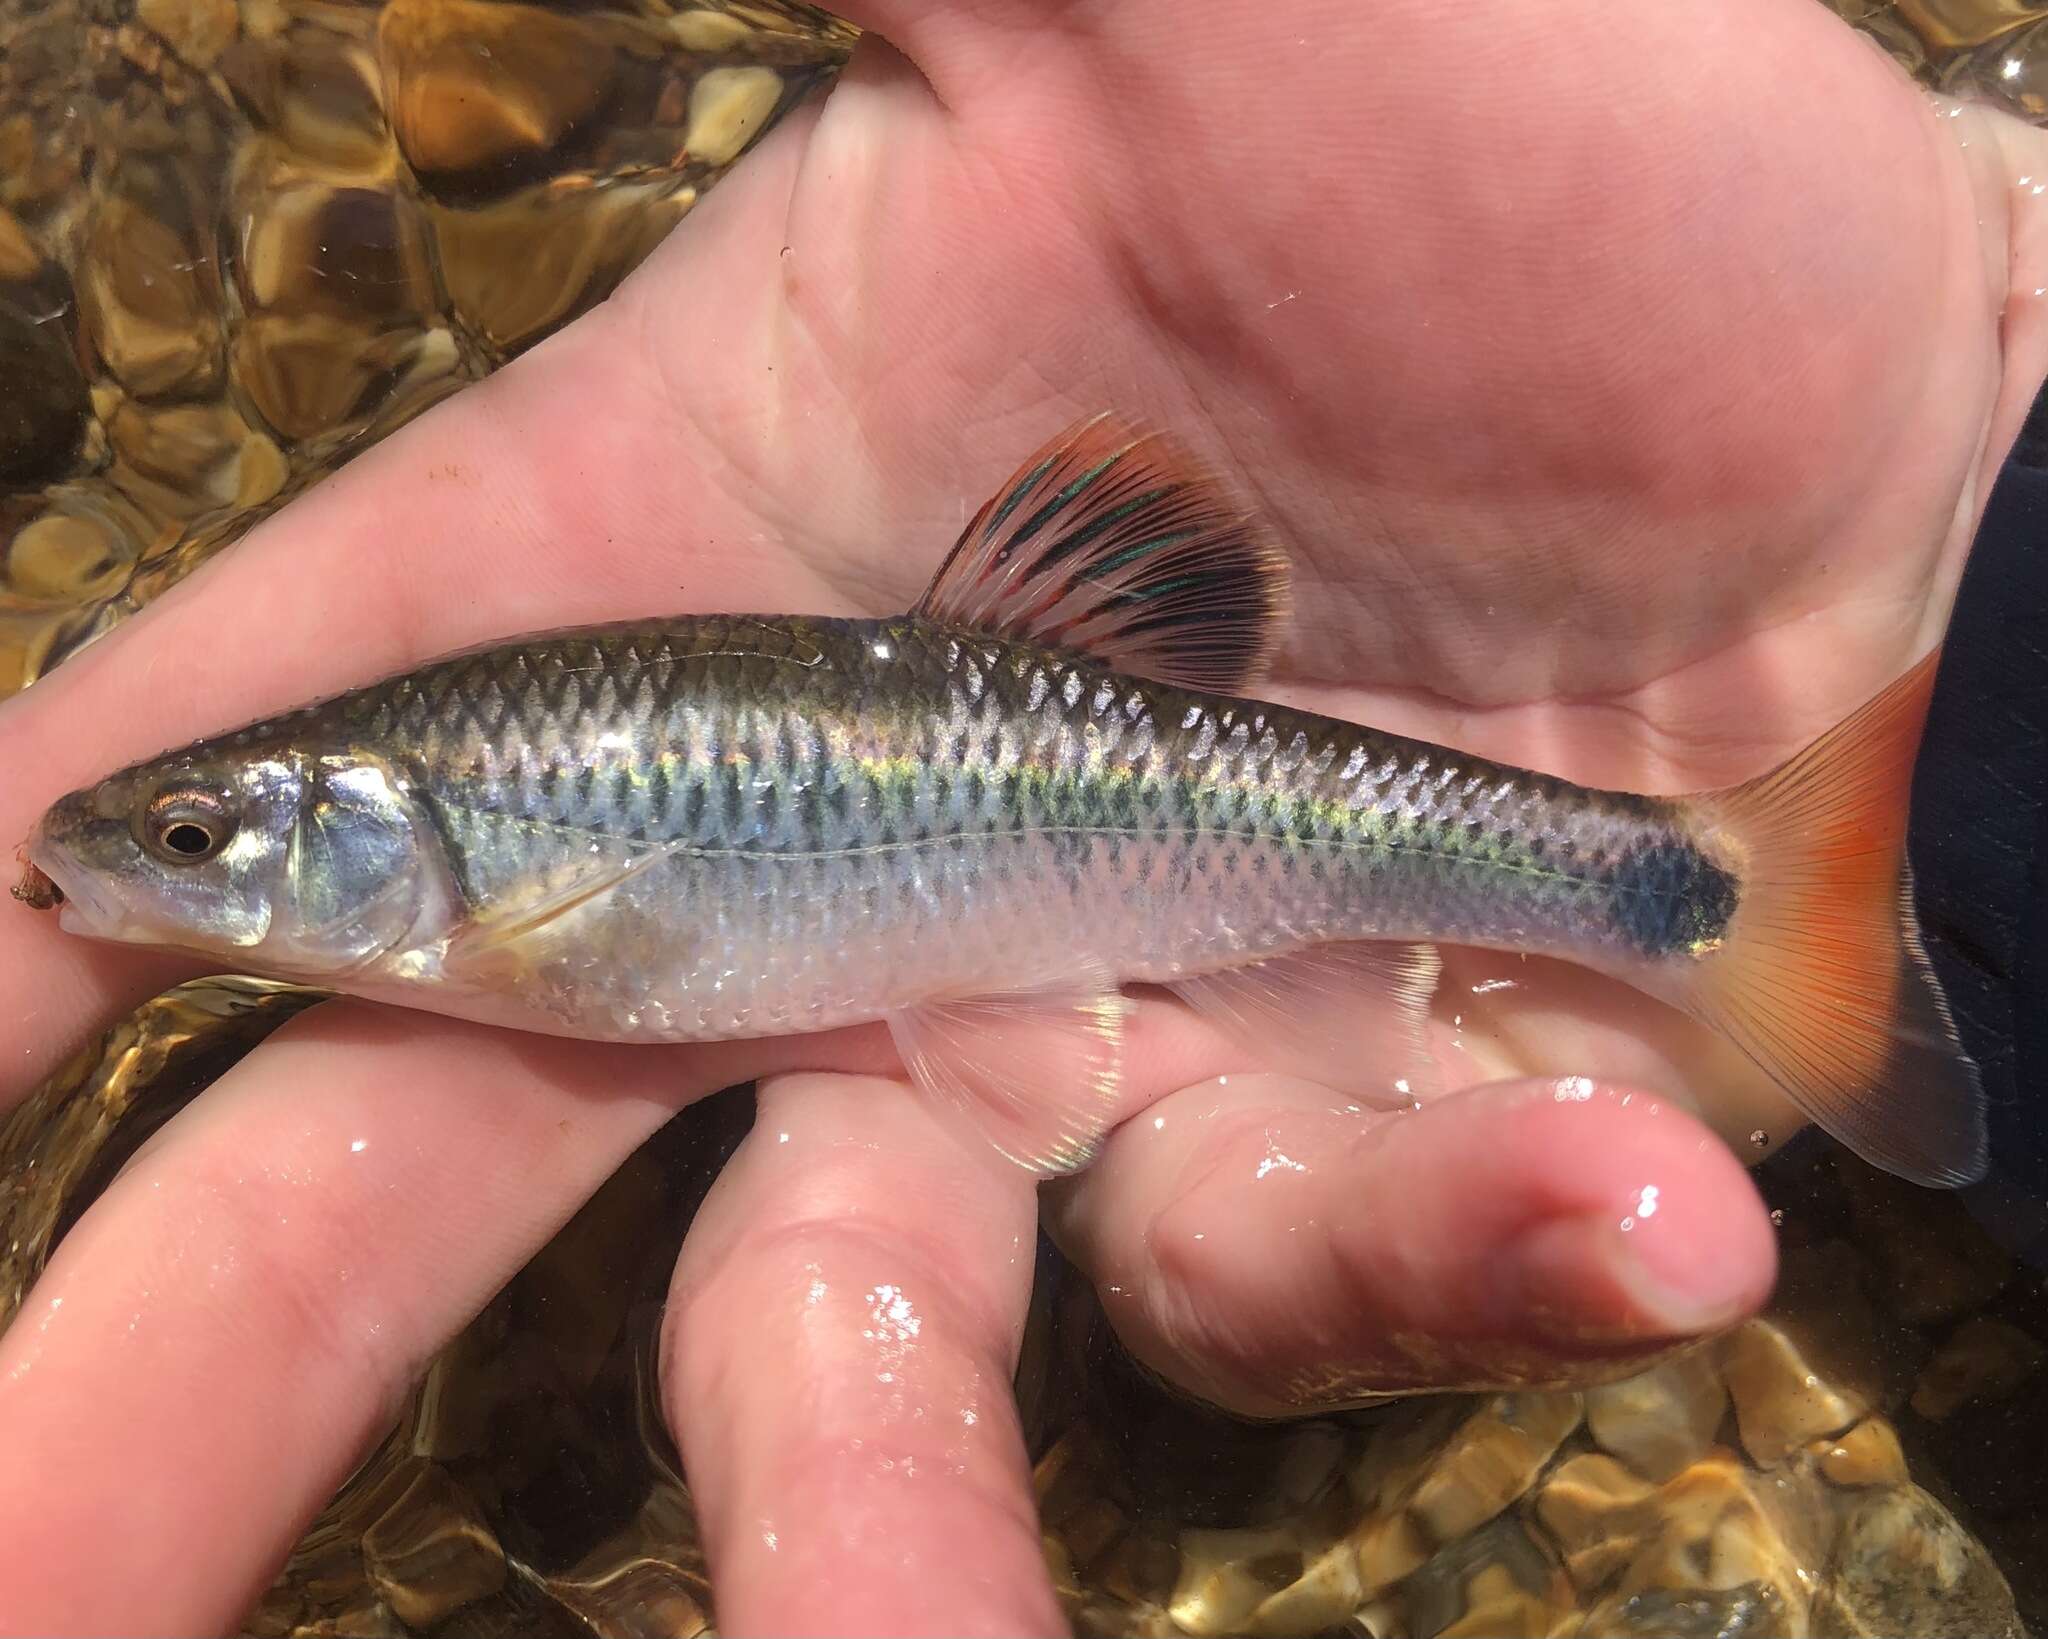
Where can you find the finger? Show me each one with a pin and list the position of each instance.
(841, 1339)
(1276, 1257)
(227, 1327)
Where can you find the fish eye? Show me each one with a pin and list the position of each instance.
(186, 825)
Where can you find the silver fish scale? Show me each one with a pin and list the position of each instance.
(806, 823)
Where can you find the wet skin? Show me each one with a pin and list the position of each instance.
(1624, 381)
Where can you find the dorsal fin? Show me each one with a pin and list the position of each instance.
(1111, 542)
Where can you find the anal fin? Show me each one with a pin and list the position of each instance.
(1352, 1016)
(1036, 1073)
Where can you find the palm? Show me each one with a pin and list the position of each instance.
(1598, 446)
(1573, 444)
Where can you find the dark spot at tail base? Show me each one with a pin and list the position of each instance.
(1669, 897)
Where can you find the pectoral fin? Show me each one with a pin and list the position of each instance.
(499, 952)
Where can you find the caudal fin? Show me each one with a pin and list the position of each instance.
(1821, 977)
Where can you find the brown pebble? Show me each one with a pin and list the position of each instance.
(1320, 1599)
(67, 557)
(1660, 1420)
(1513, 1612)
(519, 266)
(147, 291)
(1491, 1461)
(709, 31)
(1782, 1398)
(1868, 1454)
(17, 143)
(1225, 1575)
(1720, 1525)
(197, 30)
(19, 257)
(316, 94)
(476, 91)
(1590, 1508)
(728, 107)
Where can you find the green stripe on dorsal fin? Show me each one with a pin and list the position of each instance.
(1112, 542)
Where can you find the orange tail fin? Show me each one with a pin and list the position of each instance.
(1821, 978)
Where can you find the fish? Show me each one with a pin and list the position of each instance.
(983, 821)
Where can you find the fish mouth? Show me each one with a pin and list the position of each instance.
(52, 880)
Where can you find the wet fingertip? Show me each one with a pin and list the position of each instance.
(1600, 1279)
(1660, 1236)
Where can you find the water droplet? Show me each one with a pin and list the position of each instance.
(1778, 1215)
(1760, 1138)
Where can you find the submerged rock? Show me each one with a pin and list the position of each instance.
(312, 220)
(45, 407)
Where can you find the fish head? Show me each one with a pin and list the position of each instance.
(292, 863)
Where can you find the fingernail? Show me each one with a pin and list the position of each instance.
(1591, 1280)
(1684, 1286)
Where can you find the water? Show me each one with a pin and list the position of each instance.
(239, 242)
(1991, 50)
(224, 270)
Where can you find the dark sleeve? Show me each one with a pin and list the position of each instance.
(1979, 838)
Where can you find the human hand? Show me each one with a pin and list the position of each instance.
(1622, 384)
